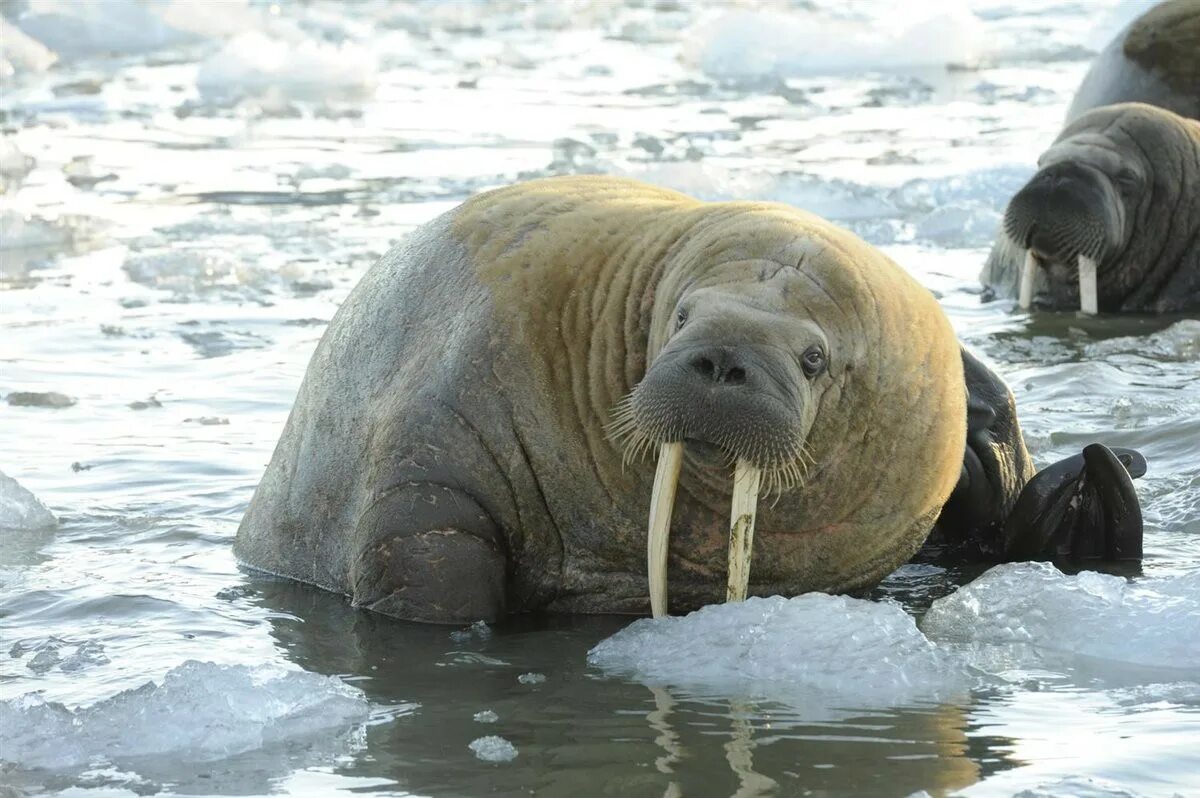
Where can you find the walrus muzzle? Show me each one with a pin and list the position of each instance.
(1069, 213)
(735, 406)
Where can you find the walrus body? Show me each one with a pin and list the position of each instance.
(1111, 220)
(1155, 60)
(467, 439)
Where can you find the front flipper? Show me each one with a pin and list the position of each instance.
(1083, 507)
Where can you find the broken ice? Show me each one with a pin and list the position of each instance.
(494, 749)
(20, 509)
(200, 711)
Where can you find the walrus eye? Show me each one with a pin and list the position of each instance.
(681, 318)
(813, 361)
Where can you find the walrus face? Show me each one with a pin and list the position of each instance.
(1072, 216)
(736, 383)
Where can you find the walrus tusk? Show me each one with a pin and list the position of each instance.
(1028, 274)
(662, 501)
(746, 479)
(1089, 301)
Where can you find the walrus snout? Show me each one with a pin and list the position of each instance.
(1063, 212)
(721, 365)
(1066, 218)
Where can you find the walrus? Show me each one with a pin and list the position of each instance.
(555, 395)
(1154, 60)
(1111, 220)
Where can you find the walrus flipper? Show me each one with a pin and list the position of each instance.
(1083, 507)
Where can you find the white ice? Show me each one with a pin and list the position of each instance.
(486, 716)
(200, 711)
(494, 749)
(21, 52)
(863, 651)
(1152, 621)
(1014, 620)
(255, 64)
(747, 45)
(20, 509)
(531, 678)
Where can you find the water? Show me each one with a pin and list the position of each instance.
(188, 195)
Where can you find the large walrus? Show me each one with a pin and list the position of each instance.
(1111, 220)
(469, 439)
(1155, 60)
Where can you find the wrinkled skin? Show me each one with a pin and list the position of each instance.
(456, 450)
(1121, 185)
(1155, 60)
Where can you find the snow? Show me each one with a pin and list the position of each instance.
(785, 649)
(20, 509)
(494, 749)
(200, 711)
(1153, 621)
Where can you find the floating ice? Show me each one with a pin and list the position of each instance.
(20, 509)
(22, 53)
(531, 678)
(486, 716)
(200, 711)
(1179, 342)
(749, 45)
(870, 653)
(255, 65)
(494, 749)
(959, 225)
(75, 29)
(18, 231)
(1153, 621)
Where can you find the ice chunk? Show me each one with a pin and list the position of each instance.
(959, 225)
(20, 509)
(21, 52)
(749, 45)
(486, 716)
(200, 711)
(494, 749)
(75, 29)
(1153, 621)
(255, 65)
(14, 164)
(870, 653)
(531, 678)
(50, 399)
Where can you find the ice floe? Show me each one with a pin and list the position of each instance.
(256, 65)
(748, 45)
(200, 711)
(20, 509)
(1152, 621)
(870, 653)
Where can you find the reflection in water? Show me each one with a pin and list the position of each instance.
(580, 734)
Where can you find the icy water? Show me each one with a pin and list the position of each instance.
(192, 188)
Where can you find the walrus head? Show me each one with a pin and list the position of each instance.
(773, 361)
(1093, 215)
(1072, 215)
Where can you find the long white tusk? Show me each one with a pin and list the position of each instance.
(1028, 275)
(746, 479)
(662, 501)
(1089, 299)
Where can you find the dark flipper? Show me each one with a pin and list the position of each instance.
(1083, 507)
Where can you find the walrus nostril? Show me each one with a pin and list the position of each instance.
(719, 366)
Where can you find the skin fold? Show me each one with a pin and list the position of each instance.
(1120, 187)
